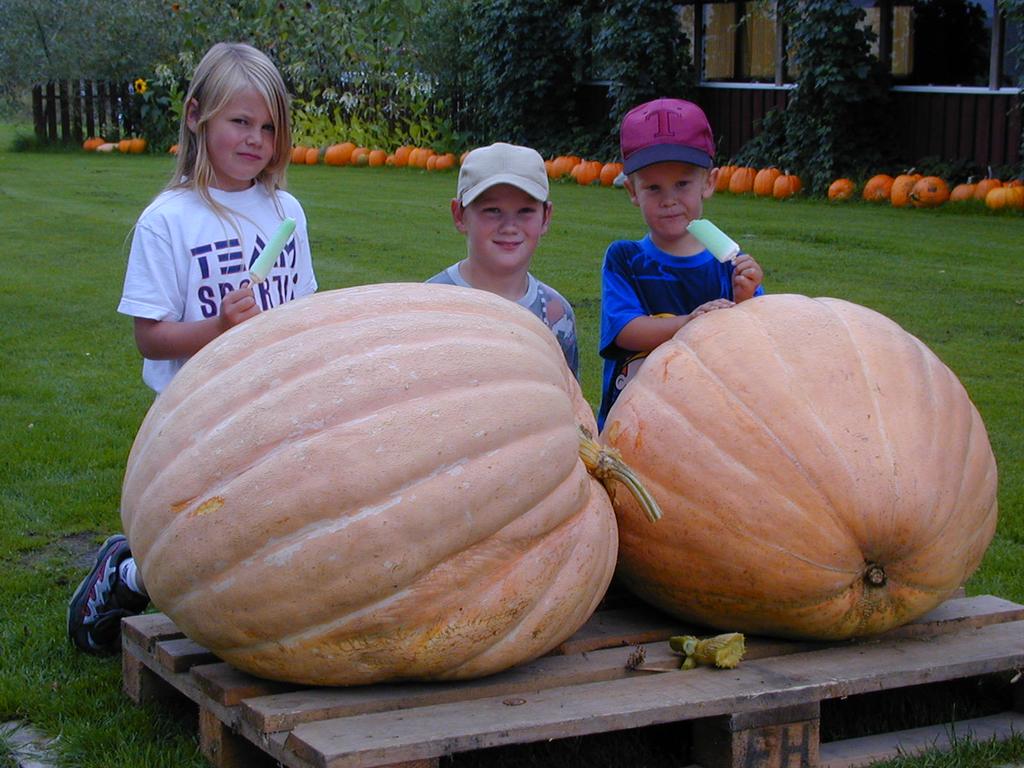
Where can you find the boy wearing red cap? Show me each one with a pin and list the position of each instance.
(650, 288)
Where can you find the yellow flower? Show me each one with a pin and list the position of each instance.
(140, 86)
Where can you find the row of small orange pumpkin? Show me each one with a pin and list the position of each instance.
(347, 153)
(914, 189)
(584, 172)
(904, 190)
(130, 146)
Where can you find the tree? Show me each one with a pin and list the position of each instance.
(524, 71)
(43, 40)
(644, 53)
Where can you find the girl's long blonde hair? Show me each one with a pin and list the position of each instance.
(225, 70)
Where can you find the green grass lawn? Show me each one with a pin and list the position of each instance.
(72, 397)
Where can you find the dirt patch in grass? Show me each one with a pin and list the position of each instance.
(76, 551)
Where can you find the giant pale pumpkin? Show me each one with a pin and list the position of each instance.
(822, 473)
(372, 484)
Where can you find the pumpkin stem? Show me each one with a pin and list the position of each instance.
(606, 464)
(722, 651)
(875, 576)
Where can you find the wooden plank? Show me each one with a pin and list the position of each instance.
(181, 654)
(625, 626)
(90, 117)
(391, 737)
(138, 682)
(223, 748)
(285, 711)
(870, 749)
(65, 111)
(960, 613)
(147, 629)
(773, 738)
(228, 686)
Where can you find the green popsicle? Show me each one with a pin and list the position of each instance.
(715, 240)
(261, 267)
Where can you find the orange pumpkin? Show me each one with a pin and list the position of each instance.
(609, 173)
(841, 189)
(173, 149)
(299, 154)
(929, 192)
(786, 186)
(562, 166)
(91, 143)
(1005, 197)
(360, 156)
(339, 154)
(962, 193)
(376, 158)
(402, 156)
(742, 181)
(124, 146)
(983, 187)
(821, 472)
(421, 157)
(313, 502)
(764, 181)
(137, 145)
(724, 176)
(586, 172)
(878, 188)
(902, 186)
(312, 156)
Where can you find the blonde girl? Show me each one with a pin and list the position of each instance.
(187, 279)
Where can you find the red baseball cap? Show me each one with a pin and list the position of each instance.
(666, 130)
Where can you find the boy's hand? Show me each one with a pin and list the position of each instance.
(711, 306)
(746, 276)
(237, 306)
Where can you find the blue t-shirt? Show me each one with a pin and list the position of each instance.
(639, 279)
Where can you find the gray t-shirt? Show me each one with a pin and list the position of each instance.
(545, 302)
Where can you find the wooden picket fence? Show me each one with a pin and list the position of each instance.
(68, 111)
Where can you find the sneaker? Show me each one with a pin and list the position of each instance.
(101, 601)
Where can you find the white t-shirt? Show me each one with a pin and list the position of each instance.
(185, 258)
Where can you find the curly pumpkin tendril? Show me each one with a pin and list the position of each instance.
(606, 464)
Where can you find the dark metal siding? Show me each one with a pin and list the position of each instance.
(983, 128)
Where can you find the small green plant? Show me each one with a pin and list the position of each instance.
(159, 103)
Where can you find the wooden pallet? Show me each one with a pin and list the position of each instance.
(766, 712)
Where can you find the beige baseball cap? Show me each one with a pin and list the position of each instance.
(501, 163)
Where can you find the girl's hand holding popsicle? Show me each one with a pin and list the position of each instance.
(238, 306)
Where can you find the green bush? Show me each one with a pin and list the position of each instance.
(645, 54)
(835, 122)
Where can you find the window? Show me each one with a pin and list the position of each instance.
(739, 41)
(926, 42)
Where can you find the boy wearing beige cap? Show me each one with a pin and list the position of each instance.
(502, 208)
(652, 287)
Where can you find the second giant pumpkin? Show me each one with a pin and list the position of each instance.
(377, 483)
(821, 472)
